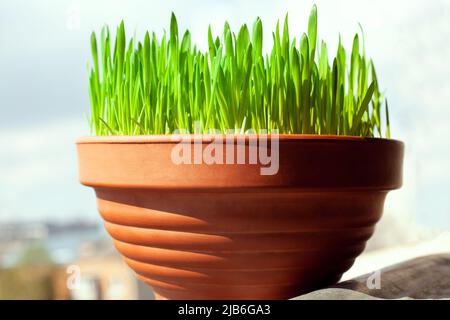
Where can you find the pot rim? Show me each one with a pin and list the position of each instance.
(174, 138)
(333, 162)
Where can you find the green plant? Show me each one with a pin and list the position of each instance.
(158, 86)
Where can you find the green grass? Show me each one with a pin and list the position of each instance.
(159, 85)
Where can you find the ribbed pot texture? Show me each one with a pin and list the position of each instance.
(224, 231)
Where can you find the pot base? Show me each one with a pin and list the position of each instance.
(239, 245)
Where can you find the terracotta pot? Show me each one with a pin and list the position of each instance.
(224, 231)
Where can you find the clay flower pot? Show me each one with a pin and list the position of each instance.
(224, 231)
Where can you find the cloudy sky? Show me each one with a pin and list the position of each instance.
(44, 50)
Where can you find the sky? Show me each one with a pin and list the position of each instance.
(44, 51)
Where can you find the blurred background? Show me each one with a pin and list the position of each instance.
(51, 236)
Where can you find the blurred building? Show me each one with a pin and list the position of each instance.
(99, 274)
(71, 261)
